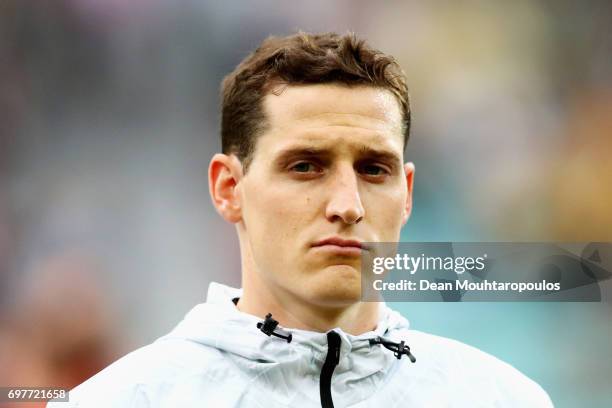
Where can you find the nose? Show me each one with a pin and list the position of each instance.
(344, 200)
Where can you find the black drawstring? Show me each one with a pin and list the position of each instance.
(399, 349)
(269, 327)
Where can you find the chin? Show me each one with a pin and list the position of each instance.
(337, 285)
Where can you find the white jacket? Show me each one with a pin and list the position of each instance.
(217, 357)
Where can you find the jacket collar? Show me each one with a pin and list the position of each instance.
(218, 323)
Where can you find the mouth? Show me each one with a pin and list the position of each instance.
(341, 246)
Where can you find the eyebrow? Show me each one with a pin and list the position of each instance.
(285, 156)
(382, 155)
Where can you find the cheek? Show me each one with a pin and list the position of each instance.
(386, 215)
(277, 230)
(271, 216)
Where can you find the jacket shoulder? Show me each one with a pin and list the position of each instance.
(479, 372)
(135, 379)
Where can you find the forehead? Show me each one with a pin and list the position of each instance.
(333, 113)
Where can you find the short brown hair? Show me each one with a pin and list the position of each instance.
(301, 58)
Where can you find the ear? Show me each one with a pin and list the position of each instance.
(224, 175)
(409, 174)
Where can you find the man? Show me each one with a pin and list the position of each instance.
(313, 133)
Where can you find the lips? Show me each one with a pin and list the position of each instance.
(341, 246)
(340, 242)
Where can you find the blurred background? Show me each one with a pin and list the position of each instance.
(109, 116)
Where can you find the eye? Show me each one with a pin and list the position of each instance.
(304, 167)
(373, 170)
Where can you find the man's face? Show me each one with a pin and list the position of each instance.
(327, 174)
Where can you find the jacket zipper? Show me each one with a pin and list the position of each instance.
(331, 361)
